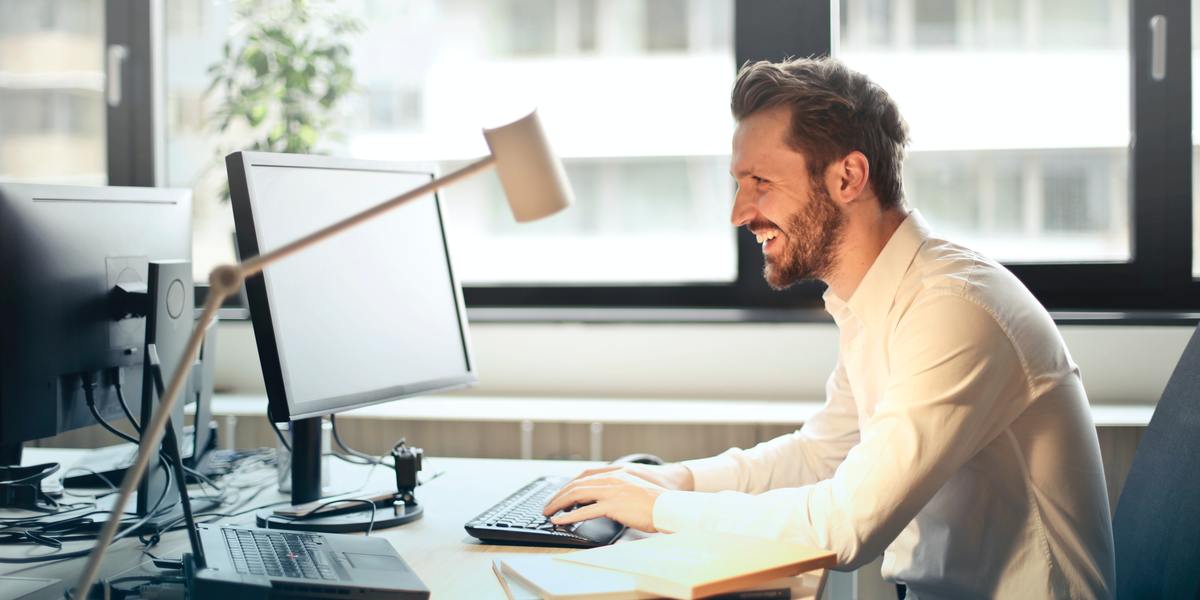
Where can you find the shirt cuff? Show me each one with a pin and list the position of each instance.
(715, 474)
(676, 511)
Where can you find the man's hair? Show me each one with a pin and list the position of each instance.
(835, 111)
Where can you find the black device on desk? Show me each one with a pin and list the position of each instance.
(74, 309)
(68, 252)
(368, 318)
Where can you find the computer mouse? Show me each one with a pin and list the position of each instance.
(640, 458)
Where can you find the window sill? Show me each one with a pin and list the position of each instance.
(613, 411)
(763, 315)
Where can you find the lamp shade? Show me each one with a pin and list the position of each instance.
(532, 176)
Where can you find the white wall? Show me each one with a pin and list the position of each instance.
(1126, 365)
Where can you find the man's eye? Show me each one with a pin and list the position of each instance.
(759, 180)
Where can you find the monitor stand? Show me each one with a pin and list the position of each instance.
(306, 488)
(10, 454)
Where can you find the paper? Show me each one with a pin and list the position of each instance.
(694, 564)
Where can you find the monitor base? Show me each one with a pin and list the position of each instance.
(343, 522)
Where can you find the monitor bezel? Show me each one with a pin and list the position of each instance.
(281, 408)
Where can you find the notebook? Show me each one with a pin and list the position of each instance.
(534, 577)
(700, 564)
(540, 576)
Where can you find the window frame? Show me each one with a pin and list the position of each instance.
(1157, 278)
(134, 133)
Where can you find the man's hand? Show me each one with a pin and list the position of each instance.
(672, 476)
(623, 493)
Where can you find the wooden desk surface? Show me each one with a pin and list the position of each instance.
(451, 563)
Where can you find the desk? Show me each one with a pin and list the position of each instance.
(452, 564)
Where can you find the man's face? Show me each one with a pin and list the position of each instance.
(793, 216)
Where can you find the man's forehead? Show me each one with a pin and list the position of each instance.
(759, 138)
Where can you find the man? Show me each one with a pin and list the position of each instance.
(955, 438)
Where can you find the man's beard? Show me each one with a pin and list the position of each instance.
(813, 236)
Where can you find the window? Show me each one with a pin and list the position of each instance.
(666, 25)
(977, 92)
(51, 91)
(1040, 135)
(634, 97)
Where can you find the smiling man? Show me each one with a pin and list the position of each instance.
(955, 438)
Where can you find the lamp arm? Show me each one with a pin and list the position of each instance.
(252, 266)
(224, 281)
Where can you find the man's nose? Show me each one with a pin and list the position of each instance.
(743, 209)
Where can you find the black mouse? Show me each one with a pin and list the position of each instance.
(640, 458)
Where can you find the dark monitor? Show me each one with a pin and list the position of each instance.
(62, 251)
(372, 315)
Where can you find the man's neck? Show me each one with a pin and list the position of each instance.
(865, 235)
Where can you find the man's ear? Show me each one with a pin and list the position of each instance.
(849, 177)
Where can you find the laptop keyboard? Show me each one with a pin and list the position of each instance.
(278, 554)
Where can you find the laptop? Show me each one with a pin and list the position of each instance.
(248, 562)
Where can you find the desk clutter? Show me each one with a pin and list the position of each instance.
(684, 565)
(434, 554)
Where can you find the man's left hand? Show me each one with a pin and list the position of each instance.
(619, 496)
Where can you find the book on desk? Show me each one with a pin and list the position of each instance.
(684, 565)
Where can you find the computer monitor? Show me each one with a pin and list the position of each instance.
(63, 249)
(370, 316)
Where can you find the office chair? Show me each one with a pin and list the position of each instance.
(1156, 529)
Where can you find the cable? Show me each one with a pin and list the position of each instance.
(204, 480)
(111, 486)
(84, 552)
(125, 405)
(356, 454)
(351, 451)
(89, 386)
(278, 434)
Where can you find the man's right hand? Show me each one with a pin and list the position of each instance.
(672, 476)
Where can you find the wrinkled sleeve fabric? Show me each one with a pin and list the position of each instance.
(955, 383)
(805, 456)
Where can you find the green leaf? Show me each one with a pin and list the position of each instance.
(257, 60)
(307, 136)
(257, 113)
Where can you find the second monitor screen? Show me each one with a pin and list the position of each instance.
(371, 314)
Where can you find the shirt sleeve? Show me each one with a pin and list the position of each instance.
(805, 456)
(955, 383)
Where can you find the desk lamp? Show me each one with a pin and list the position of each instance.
(534, 183)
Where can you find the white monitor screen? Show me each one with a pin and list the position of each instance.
(370, 315)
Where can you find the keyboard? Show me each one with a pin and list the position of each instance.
(518, 519)
(278, 554)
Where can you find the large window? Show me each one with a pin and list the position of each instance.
(633, 96)
(1054, 135)
(1019, 113)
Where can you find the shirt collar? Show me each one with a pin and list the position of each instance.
(877, 290)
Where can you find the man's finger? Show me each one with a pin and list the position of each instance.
(596, 471)
(584, 494)
(583, 513)
(566, 489)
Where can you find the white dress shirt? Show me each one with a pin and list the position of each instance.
(955, 438)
